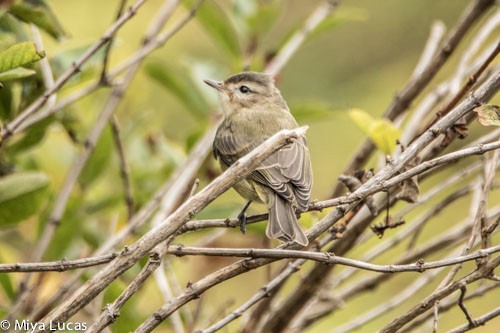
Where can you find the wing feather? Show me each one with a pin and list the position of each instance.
(287, 171)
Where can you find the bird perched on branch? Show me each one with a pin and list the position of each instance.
(253, 111)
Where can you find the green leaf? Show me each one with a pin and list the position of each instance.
(21, 196)
(385, 135)
(488, 115)
(40, 14)
(99, 160)
(179, 83)
(16, 73)
(218, 26)
(19, 55)
(382, 132)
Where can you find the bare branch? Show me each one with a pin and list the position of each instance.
(57, 266)
(478, 321)
(327, 258)
(429, 301)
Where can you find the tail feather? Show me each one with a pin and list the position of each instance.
(283, 223)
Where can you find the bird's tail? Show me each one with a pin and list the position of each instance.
(283, 223)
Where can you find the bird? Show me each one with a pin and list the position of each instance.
(253, 110)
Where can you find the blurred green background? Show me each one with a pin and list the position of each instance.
(364, 57)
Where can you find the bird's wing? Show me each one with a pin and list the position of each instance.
(286, 171)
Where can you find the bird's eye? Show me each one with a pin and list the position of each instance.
(244, 89)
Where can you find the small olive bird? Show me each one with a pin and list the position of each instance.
(253, 111)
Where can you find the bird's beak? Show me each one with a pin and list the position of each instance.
(218, 85)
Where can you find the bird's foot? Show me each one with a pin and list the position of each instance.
(242, 217)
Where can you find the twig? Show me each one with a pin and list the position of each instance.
(327, 258)
(463, 290)
(476, 222)
(47, 75)
(466, 87)
(489, 176)
(478, 321)
(57, 266)
(431, 46)
(103, 78)
(446, 305)
(112, 311)
(429, 301)
(414, 87)
(363, 318)
(8, 128)
(262, 293)
(124, 168)
(297, 39)
(408, 231)
(487, 29)
(435, 318)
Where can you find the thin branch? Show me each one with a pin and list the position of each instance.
(47, 75)
(429, 301)
(478, 321)
(103, 78)
(262, 293)
(477, 222)
(448, 304)
(294, 43)
(57, 266)
(438, 30)
(466, 87)
(328, 258)
(124, 168)
(387, 305)
(196, 156)
(368, 283)
(462, 306)
(489, 177)
(112, 311)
